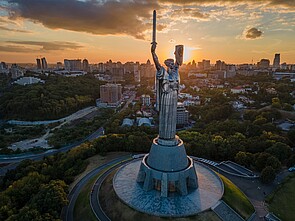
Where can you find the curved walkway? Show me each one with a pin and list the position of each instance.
(94, 196)
(74, 116)
(68, 211)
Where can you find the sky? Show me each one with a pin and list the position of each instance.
(235, 31)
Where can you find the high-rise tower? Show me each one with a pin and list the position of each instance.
(277, 61)
(38, 63)
(85, 65)
(44, 63)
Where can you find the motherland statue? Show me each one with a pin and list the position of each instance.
(167, 87)
(167, 167)
(165, 181)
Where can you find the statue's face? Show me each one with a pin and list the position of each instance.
(169, 63)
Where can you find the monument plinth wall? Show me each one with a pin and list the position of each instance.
(167, 158)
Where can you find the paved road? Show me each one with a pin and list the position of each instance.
(42, 141)
(74, 116)
(94, 197)
(132, 97)
(20, 157)
(14, 160)
(32, 143)
(68, 211)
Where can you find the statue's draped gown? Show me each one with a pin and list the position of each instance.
(167, 92)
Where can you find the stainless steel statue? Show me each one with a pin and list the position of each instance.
(167, 168)
(167, 87)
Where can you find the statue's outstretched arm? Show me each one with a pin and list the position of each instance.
(155, 57)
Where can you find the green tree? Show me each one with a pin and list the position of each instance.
(261, 160)
(257, 144)
(22, 190)
(27, 214)
(58, 97)
(288, 107)
(271, 115)
(250, 115)
(276, 103)
(267, 175)
(51, 198)
(274, 163)
(260, 120)
(280, 150)
(244, 158)
(138, 142)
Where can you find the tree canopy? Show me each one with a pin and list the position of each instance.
(57, 98)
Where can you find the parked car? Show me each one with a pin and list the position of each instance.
(291, 169)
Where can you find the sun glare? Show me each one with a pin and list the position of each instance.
(187, 54)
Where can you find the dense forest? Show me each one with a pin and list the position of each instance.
(57, 98)
(38, 190)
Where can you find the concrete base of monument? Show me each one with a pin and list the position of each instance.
(167, 168)
(209, 192)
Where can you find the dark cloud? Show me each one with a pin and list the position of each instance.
(22, 46)
(189, 12)
(253, 33)
(289, 3)
(96, 17)
(15, 49)
(13, 30)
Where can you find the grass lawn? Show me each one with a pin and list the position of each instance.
(236, 199)
(282, 200)
(82, 209)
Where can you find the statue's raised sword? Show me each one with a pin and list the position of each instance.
(154, 26)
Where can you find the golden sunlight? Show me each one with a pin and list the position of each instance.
(188, 55)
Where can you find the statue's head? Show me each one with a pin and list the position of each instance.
(169, 62)
(179, 54)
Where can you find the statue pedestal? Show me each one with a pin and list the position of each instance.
(167, 168)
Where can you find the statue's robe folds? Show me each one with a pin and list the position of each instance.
(167, 94)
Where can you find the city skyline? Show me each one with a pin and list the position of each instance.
(233, 31)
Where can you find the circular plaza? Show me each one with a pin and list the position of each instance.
(209, 192)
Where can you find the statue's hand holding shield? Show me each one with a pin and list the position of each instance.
(179, 54)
